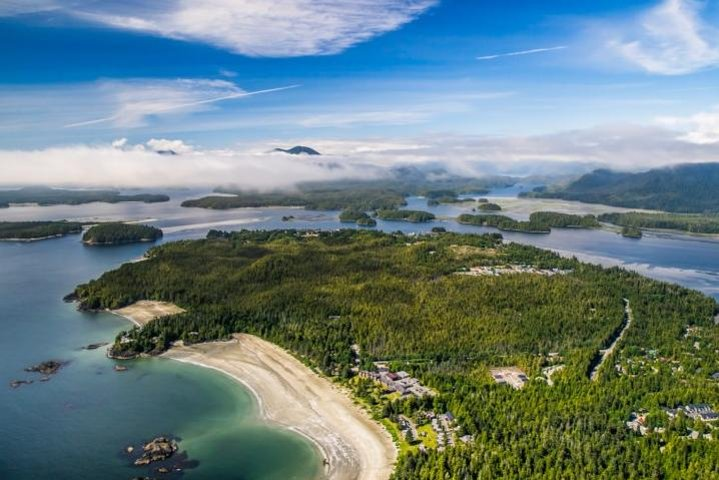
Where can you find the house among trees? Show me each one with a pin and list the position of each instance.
(696, 411)
(400, 382)
(511, 376)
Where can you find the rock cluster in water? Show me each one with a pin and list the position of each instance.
(18, 383)
(157, 450)
(48, 367)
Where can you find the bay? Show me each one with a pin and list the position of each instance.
(77, 424)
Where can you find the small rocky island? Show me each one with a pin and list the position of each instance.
(160, 455)
(157, 450)
(46, 369)
(120, 234)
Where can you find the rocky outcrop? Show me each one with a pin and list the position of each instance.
(157, 450)
(18, 383)
(48, 367)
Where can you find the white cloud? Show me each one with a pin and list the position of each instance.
(20, 7)
(668, 39)
(700, 128)
(164, 145)
(134, 165)
(521, 52)
(281, 28)
(351, 119)
(119, 143)
(624, 147)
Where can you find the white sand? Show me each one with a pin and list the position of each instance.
(291, 395)
(144, 311)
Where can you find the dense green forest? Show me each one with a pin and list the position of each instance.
(692, 188)
(37, 230)
(413, 216)
(354, 194)
(564, 220)
(120, 233)
(631, 232)
(489, 207)
(539, 222)
(400, 299)
(53, 196)
(437, 197)
(360, 199)
(502, 222)
(669, 221)
(360, 218)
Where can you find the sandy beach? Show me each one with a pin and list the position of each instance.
(144, 311)
(289, 394)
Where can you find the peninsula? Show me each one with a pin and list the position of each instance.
(31, 231)
(447, 338)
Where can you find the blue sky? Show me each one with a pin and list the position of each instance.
(528, 77)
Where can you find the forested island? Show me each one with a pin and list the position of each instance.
(362, 199)
(55, 196)
(412, 216)
(502, 222)
(359, 195)
(539, 222)
(26, 231)
(564, 220)
(489, 207)
(453, 310)
(629, 231)
(117, 233)
(691, 188)
(358, 217)
(665, 221)
(438, 197)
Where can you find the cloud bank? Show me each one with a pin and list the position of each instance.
(701, 128)
(257, 28)
(122, 164)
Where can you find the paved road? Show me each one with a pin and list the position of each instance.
(606, 353)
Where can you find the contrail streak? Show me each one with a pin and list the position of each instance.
(182, 105)
(521, 52)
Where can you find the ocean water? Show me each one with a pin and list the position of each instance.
(76, 425)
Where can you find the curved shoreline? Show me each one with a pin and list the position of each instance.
(289, 394)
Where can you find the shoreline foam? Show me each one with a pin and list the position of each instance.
(290, 395)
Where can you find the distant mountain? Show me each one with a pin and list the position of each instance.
(689, 188)
(299, 149)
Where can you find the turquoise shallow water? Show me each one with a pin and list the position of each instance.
(76, 425)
